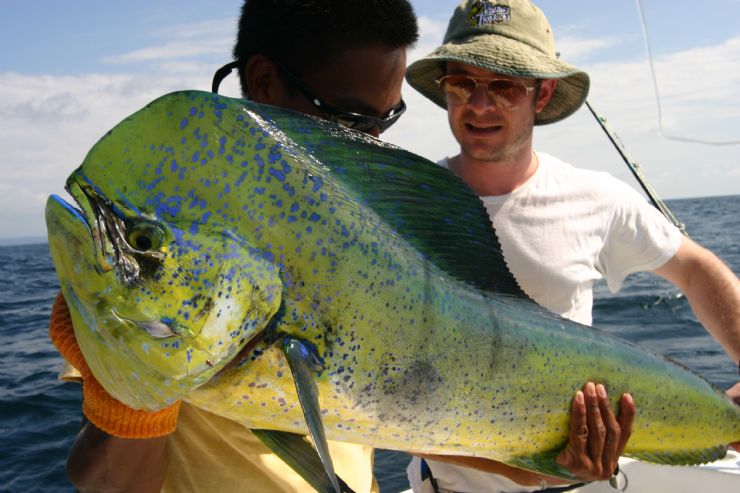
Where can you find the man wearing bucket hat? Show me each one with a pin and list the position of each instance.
(561, 228)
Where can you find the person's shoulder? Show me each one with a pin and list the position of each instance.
(600, 182)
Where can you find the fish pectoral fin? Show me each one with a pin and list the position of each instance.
(303, 360)
(543, 463)
(295, 451)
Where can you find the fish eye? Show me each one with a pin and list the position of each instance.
(144, 236)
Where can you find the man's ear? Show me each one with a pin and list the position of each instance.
(547, 89)
(263, 81)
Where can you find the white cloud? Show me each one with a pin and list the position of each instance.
(171, 50)
(431, 34)
(698, 91)
(573, 48)
(47, 125)
(185, 41)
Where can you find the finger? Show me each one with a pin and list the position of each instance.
(627, 412)
(596, 427)
(610, 455)
(577, 435)
(734, 393)
(578, 438)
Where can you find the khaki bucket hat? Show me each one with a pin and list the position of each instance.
(508, 37)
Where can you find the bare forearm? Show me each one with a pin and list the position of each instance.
(715, 299)
(101, 462)
(713, 291)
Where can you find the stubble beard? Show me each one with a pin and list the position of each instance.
(498, 154)
(505, 151)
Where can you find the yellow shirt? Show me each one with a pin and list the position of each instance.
(214, 454)
(208, 453)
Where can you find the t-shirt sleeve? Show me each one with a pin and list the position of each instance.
(639, 238)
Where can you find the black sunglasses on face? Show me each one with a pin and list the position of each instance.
(355, 121)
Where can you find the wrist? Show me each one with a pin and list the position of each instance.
(117, 419)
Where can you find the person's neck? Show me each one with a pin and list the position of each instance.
(495, 177)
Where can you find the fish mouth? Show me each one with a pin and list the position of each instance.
(92, 210)
(108, 228)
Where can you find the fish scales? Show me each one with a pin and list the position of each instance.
(206, 223)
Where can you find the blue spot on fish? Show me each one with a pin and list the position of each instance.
(277, 174)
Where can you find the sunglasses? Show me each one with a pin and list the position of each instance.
(355, 121)
(506, 94)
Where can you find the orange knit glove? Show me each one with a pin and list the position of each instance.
(105, 412)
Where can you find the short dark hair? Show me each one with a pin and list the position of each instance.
(305, 34)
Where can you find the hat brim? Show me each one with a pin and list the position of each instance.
(503, 56)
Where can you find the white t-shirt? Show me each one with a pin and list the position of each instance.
(566, 228)
(561, 231)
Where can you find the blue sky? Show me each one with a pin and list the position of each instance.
(70, 70)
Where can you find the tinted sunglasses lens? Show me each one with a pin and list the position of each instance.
(506, 93)
(366, 124)
(457, 88)
(356, 122)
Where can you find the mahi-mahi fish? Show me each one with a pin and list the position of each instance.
(299, 277)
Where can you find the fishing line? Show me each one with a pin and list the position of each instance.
(661, 133)
(634, 166)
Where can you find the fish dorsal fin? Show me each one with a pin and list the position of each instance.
(433, 209)
(302, 359)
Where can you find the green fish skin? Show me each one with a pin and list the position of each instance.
(209, 228)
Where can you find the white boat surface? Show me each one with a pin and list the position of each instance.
(722, 476)
(642, 477)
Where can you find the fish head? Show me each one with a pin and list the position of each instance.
(160, 299)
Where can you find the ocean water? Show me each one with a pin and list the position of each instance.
(40, 416)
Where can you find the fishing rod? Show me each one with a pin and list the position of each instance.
(634, 166)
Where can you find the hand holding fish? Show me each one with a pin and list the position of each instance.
(98, 458)
(597, 438)
(596, 441)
